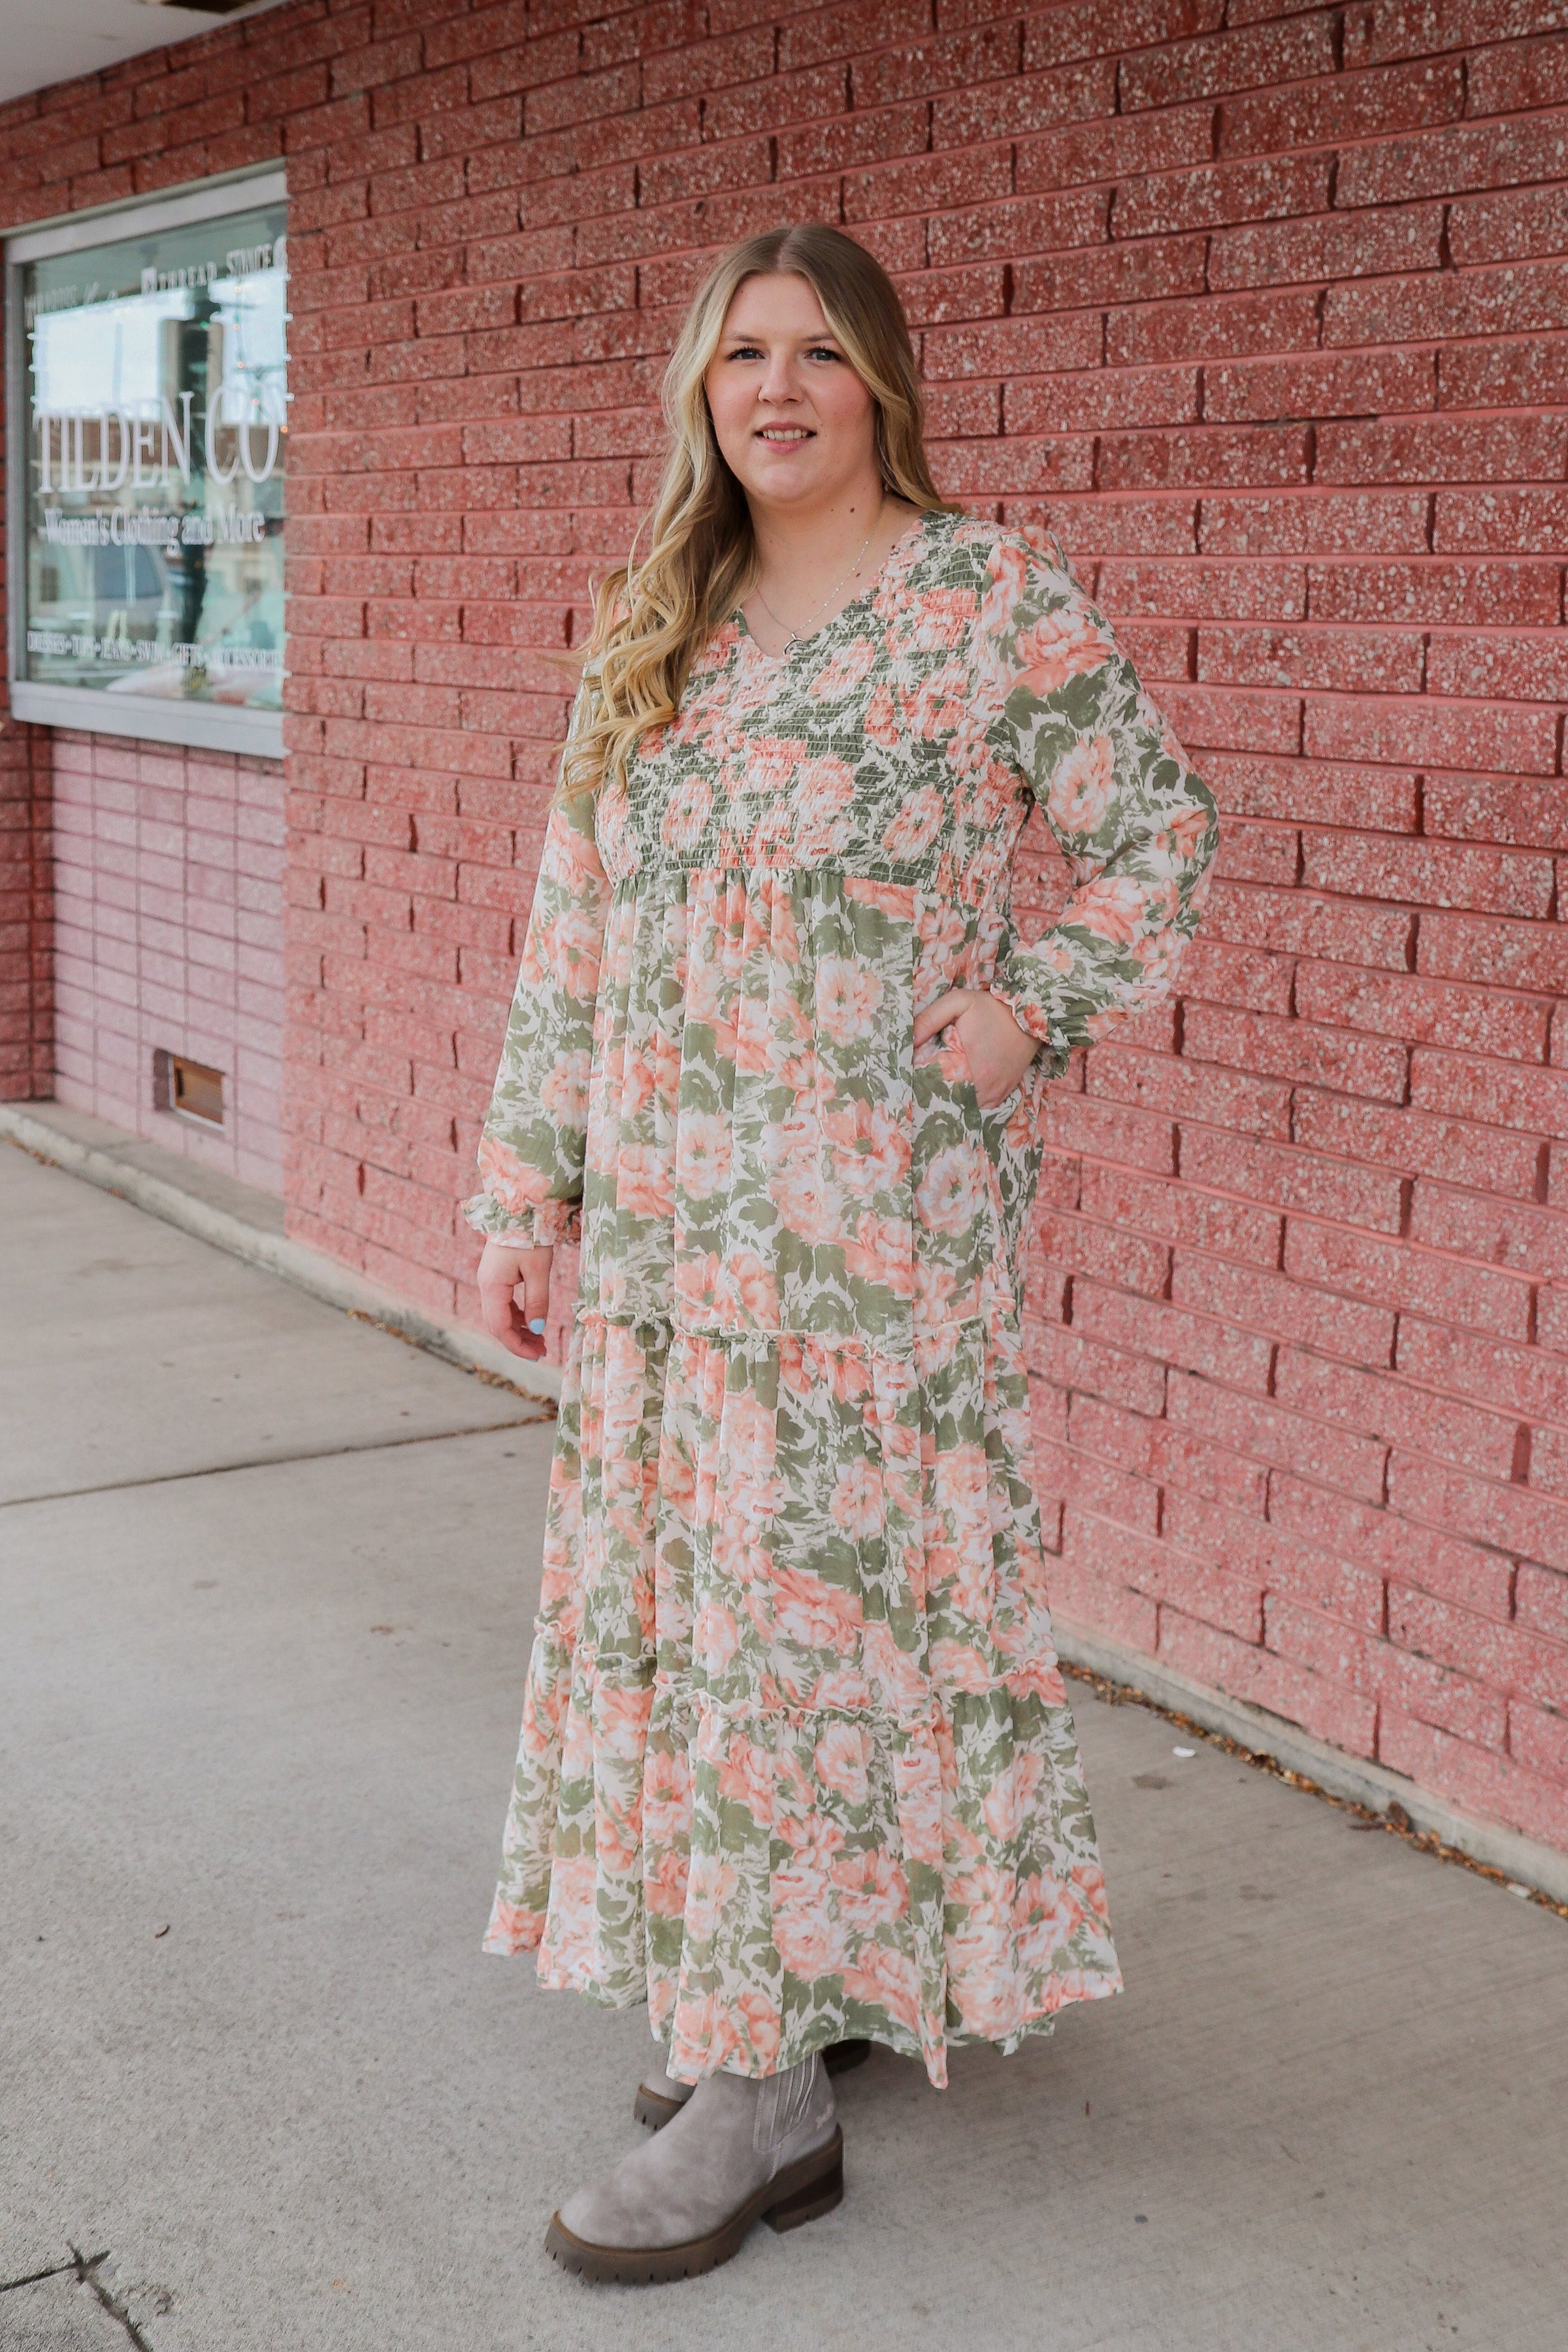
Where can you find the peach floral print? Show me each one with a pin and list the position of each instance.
(797, 1761)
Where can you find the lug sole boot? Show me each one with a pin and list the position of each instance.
(739, 2150)
(799, 2194)
(660, 2096)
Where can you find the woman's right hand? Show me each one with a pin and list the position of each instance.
(514, 1292)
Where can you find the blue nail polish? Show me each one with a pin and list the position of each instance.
(536, 1322)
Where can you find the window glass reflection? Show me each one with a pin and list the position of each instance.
(157, 440)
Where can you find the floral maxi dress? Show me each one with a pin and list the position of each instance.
(797, 1761)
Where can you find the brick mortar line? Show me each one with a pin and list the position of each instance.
(844, 61)
(1225, 1319)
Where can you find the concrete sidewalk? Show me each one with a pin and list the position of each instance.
(266, 1581)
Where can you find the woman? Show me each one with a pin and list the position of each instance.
(798, 1764)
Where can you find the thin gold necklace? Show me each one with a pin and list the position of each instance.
(794, 636)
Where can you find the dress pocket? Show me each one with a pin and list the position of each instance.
(960, 1225)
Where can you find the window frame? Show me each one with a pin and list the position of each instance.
(207, 727)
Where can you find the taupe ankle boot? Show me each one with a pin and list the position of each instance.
(738, 2151)
(660, 2095)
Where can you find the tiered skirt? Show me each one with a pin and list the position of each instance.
(797, 1762)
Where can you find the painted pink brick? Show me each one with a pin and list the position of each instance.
(147, 945)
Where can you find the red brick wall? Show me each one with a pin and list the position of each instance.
(1261, 306)
(27, 971)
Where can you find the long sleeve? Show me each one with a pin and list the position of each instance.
(534, 1140)
(1137, 826)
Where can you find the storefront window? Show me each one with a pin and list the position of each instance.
(147, 539)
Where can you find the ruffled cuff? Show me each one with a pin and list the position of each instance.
(541, 1227)
(1039, 1020)
(1029, 1015)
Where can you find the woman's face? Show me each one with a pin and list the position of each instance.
(794, 422)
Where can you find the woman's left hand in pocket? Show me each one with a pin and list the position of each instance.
(997, 1049)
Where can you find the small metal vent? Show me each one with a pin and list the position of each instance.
(188, 1089)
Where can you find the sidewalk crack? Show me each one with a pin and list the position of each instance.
(57, 2270)
(84, 2269)
(273, 1462)
(87, 2276)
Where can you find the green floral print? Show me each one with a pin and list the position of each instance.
(797, 1761)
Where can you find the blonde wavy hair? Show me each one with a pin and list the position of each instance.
(652, 619)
